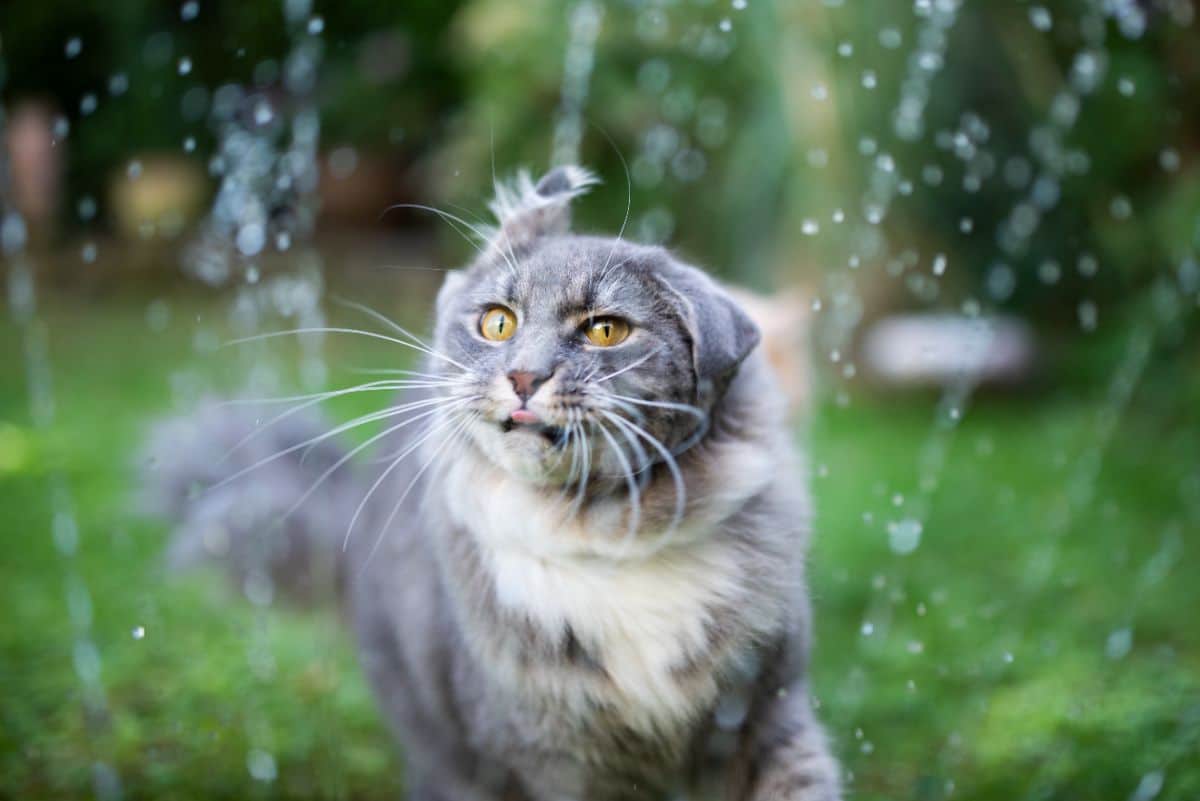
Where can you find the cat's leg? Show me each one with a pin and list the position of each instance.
(789, 757)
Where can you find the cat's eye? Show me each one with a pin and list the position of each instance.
(498, 324)
(606, 331)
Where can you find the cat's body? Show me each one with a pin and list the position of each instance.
(533, 634)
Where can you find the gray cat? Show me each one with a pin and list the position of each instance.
(579, 574)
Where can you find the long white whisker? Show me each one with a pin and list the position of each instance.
(363, 420)
(354, 451)
(438, 451)
(395, 462)
(635, 504)
(311, 400)
(417, 342)
(338, 330)
(681, 407)
(632, 365)
(668, 460)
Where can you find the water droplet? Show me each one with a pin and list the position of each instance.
(189, 144)
(1040, 18)
(1149, 787)
(1049, 272)
(118, 84)
(726, 25)
(261, 765)
(1119, 644)
(845, 49)
(138, 632)
(185, 65)
(88, 252)
(1088, 315)
(316, 25)
(74, 47)
(87, 104)
(869, 79)
(1008, 657)
(739, 5)
(189, 10)
(134, 170)
(810, 227)
(868, 628)
(939, 264)
(1169, 159)
(250, 239)
(904, 536)
(263, 113)
(1121, 208)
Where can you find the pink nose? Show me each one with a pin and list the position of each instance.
(526, 382)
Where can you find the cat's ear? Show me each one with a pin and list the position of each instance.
(722, 334)
(525, 211)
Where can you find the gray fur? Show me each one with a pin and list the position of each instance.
(493, 693)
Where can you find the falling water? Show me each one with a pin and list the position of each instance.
(265, 209)
(580, 58)
(65, 529)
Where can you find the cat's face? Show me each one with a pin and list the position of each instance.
(584, 356)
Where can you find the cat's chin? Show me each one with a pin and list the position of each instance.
(532, 453)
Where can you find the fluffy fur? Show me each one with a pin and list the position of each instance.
(588, 588)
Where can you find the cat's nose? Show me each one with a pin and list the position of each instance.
(526, 382)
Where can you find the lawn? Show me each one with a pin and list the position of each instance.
(1006, 603)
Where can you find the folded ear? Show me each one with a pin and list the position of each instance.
(722, 333)
(525, 211)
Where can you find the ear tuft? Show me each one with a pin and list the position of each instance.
(525, 211)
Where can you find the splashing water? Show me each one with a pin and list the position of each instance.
(65, 529)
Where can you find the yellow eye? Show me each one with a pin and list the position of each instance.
(606, 331)
(498, 324)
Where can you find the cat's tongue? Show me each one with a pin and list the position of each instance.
(525, 417)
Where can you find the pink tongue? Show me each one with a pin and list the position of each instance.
(524, 416)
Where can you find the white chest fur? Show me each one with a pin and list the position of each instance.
(640, 616)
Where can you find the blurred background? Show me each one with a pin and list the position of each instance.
(978, 228)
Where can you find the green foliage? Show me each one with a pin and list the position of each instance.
(1033, 646)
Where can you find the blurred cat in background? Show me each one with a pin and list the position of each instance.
(578, 571)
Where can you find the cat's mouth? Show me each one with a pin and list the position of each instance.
(552, 434)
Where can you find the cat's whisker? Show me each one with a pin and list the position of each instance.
(396, 461)
(588, 455)
(686, 408)
(440, 449)
(452, 220)
(635, 503)
(630, 366)
(416, 341)
(415, 373)
(352, 453)
(628, 200)
(309, 401)
(671, 463)
(363, 420)
(339, 330)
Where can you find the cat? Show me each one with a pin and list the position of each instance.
(581, 576)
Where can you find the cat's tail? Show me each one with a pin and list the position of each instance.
(262, 498)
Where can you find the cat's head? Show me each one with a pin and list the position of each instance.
(582, 355)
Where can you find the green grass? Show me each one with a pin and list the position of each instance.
(1039, 643)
